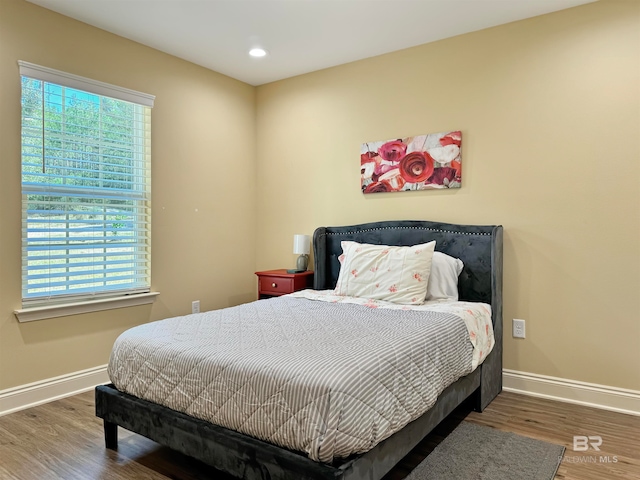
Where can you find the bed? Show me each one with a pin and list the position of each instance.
(243, 456)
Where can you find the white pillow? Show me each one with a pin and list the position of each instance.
(382, 272)
(443, 282)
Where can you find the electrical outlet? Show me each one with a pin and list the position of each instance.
(195, 306)
(518, 328)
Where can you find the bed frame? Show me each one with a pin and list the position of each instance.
(479, 247)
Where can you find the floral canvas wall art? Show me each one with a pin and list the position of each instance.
(423, 162)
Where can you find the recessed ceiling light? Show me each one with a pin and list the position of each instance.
(257, 52)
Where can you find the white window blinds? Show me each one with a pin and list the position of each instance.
(86, 188)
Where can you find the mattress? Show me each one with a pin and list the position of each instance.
(327, 378)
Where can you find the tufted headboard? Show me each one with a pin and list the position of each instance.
(479, 247)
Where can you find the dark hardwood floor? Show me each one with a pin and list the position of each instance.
(64, 440)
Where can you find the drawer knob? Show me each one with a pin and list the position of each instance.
(274, 285)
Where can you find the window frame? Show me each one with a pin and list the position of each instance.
(52, 305)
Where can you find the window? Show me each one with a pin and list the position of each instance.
(86, 189)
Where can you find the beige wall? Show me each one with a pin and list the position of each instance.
(203, 147)
(549, 110)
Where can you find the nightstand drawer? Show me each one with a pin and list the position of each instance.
(273, 283)
(276, 285)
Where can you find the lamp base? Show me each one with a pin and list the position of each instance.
(295, 270)
(302, 262)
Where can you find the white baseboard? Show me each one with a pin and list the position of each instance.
(37, 393)
(553, 388)
(570, 391)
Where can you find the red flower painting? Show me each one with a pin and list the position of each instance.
(424, 162)
(416, 167)
(377, 187)
(393, 151)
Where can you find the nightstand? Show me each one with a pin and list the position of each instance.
(273, 283)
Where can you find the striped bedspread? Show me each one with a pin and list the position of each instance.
(327, 379)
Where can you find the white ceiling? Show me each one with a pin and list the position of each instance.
(300, 35)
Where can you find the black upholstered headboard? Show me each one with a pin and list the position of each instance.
(479, 247)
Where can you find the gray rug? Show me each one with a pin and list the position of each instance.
(473, 452)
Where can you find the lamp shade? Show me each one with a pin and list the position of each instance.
(301, 244)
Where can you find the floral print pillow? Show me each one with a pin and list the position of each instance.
(381, 272)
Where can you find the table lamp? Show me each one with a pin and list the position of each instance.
(301, 246)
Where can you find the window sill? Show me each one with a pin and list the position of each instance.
(53, 311)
